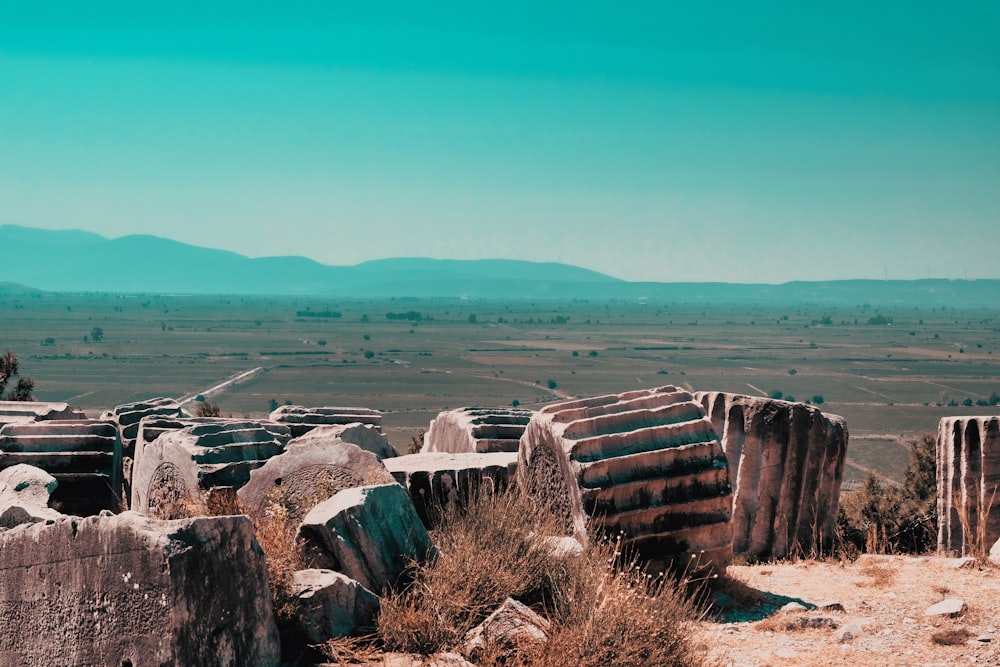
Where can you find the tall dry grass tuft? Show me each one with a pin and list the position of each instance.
(974, 519)
(604, 610)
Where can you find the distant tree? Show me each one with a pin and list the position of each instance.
(967, 402)
(576, 353)
(818, 399)
(515, 403)
(792, 371)
(365, 318)
(776, 394)
(207, 409)
(592, 353)
(472, 318)
(551, 384)
(273, 405)
(9, 367)
(369, 354)
(97, 334)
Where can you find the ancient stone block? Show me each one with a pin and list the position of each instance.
(302, 419)
(84, 455)
(183, 471)
(128, 416)
(476, 430)
(310, 470)
(35, 411)
(330, 604)
(438, 480)
(127, 590)
(645, 464)
(786, 461)
(366, 436)
(968, 479)
(370, 533)
(24, 496)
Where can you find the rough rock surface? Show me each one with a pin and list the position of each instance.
(24, 496)
(786, 461)
(370, 533)
(968, 478)
(476, 430)
(181, 473)
(309, 471)
(366, 436)
(127, 590)
(330, 604)
(32, 411)
(437, 480)
(644, 463)
(84, 455)
(302, 420)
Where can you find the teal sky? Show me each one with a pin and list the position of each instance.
(742, 142)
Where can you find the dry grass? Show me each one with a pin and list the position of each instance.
(974, 519)
(879, 576)
(953, 637)
(603, 611)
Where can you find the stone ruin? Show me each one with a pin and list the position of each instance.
(83, 455)
(476, 430)
(642, 464)
(127, 416)
(645, 464)
(191, 465)
(302, 420)
(12, 412)
(786, 462)
(968, 479)
(125, 589)
(439, 480)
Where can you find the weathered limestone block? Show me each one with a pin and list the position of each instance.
(366, 436)
(330, 604)
(302, 419)
(370, 533)
(84, 455)
(127, 590)
(24, 496)
(786, 461)
(476, 430)
(439, 480)
(35, 411)
(181, 473)
(644, 463)
(128, 416)
(968, 479)
(309, 471)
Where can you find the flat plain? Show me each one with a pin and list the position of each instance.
(892, 372)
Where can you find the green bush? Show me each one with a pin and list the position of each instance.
(883, 518)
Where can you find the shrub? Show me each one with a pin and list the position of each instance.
(881, 518)
(603, 610)
(207, 409)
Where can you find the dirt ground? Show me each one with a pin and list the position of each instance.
(884, 600)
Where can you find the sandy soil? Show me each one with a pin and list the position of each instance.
(884, 598)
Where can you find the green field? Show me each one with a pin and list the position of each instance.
(891, 381)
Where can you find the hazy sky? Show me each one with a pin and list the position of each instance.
(744, 141)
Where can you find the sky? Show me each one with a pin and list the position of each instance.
(656, 141)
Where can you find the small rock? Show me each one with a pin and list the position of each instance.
(564, 547)
(963, 563)
(831, 605)
(786, 653)
(984, 639)
(950, 607)
(446, 660)
(511, 626)
(850, 632)
(793, 607)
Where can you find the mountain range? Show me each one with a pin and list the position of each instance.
(79, 261)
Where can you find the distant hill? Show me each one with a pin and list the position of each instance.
(78, 261)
